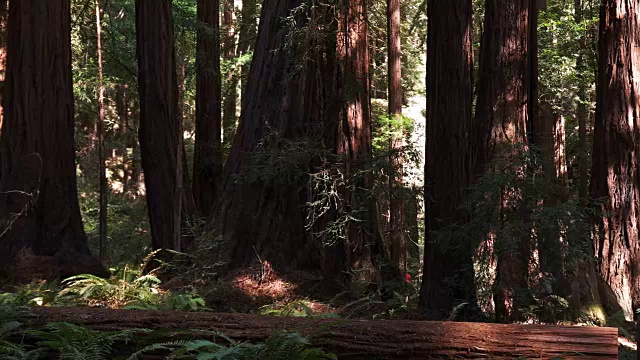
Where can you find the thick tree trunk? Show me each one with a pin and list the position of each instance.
(615, 173)
(207, 163)
(40, 225)
(396, 202)
(230, 92)
(260, 214)
(366, 339)
(351, 141)
(505, 96)
(160, 130)
(449, 104)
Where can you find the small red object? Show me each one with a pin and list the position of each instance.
(407, 278)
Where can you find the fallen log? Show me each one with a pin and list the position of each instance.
(366, 339)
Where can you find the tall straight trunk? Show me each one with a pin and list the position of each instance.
(352, 137)
(448, 268)
(583, 111)
(262, 220)
(503, 107)
(102, 166)
(160, 129)
(247, 37)
(39, 210)
(615, 173)
(207, 162)
(396, 202)
(230, 94)
(4, 12)
(122, 110)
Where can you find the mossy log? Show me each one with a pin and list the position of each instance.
(367, 339)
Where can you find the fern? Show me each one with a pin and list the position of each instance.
(75, 342)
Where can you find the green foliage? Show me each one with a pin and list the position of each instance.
(74, 342)
(296, 308)
(40, 293)
(127, 291)
(289, 346)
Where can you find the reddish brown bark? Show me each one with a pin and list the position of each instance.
(448, 268)
(39, 211)
(261, 218)
(102, 166)
(615, 173)
(207, 163)
(504, 105)
(160, 129)
(365, 339)
(396, 202)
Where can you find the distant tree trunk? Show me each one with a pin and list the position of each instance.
(615, 173)
(207, 163)
(39, 211)
(247, 37)
(551, 142)
(102, 166)
(582, 113)
(230, 93)
(503, 108)
(396, 202)
(160, 129)
(122, 109)
(448, 268)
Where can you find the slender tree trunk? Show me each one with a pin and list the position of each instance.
(396, 202)
(505, 99)
(247, 37)
(230, 94)
(122, 109)
(207, 163)
(39, 210)
(615, 173)
(4, 12)
(449, 104)
(160, 129)
(582, 113)
(102, 168)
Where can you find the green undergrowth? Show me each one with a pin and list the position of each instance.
(59, 340)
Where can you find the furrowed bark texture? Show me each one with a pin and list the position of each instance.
(368, 339)
(160, 130)
(208, 147)
(503, 108)
(615, 173)
(41, 230)
(448, 268)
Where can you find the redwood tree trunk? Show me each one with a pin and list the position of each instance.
(260, 215)
(102, 166)
(4, 12)
(503, 108)
(247, 37)
(39, 211)
(160, 129)
(230, 93)
(449, 102)
(207, 163)
(615, 173)
(396, 203)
